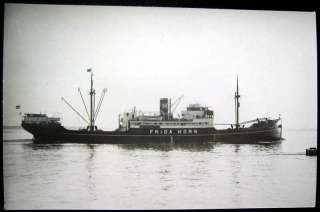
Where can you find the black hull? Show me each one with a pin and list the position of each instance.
(58, 134)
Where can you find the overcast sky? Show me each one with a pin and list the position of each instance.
(141, 54)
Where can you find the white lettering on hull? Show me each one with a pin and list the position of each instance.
(173, 132)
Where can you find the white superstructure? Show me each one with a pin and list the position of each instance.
(195, 116)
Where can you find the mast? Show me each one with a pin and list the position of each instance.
(93, 110)
(237, 105)
(91, 102)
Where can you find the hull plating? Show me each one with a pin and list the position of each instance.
(58, 134)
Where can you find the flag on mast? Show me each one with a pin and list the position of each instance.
(18, 106)
(89, 70)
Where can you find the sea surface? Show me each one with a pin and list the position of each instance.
(105, 176)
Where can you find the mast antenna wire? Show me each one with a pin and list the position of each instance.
(100, 103)
(65, 101)
(84, 103)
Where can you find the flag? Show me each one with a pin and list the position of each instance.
(89, 70)
(17, 106)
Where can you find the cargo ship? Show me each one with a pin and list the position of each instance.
(196, 124)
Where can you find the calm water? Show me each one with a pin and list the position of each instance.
(80, 176)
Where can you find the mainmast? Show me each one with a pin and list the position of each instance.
(237, 105)
(92, 94)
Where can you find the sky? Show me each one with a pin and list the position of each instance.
(141, 54)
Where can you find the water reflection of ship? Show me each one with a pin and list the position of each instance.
(169, 147)
(198, 147)
(90, 162)
(259, 147)
(41, 146)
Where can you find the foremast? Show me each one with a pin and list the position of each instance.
(94, 111)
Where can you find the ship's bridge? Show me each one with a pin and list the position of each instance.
(196, 111)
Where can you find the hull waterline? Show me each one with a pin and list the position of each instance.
(49, 134)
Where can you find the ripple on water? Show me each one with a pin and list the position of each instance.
(71, 176)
